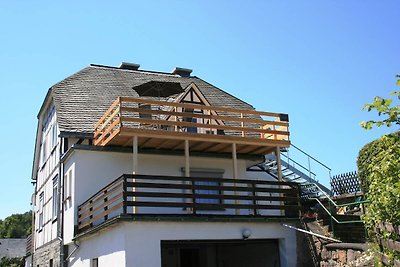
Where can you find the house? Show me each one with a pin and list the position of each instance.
(144, 168)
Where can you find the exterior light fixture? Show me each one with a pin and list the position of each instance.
(246, 233)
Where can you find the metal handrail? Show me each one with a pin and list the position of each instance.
(308, 155)
(311, 233)
(332, 216)
(298, 164)
(334, 203)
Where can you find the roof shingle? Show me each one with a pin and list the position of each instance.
(81, 99)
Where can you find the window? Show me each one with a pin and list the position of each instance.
(207, 192)
(43, 151)
(54, 136)
(190, 119)
(55, 197)
(145, 115)
(68, 179)
(207, 173)
(95, 262)
(51, 263)
(41, 203)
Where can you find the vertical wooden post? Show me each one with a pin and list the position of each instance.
(242, 125)
(187, 159)
(124, 195)
(135, 168)
(279, 173)
(235, 173)
(187, 174)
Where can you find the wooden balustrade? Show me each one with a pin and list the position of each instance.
(171, 120)
(188, 196)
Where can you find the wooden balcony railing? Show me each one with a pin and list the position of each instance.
(189, 196)
(170, 120)
(29, 245)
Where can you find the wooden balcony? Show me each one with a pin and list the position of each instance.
(165, 125)
(189, 197)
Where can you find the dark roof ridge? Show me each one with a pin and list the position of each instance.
(141, 71)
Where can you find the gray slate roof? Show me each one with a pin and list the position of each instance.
(82, 98)
(12, 248)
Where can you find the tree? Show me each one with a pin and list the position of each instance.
(16, 226)
(384, 107)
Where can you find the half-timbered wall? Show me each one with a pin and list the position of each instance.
(46, 204)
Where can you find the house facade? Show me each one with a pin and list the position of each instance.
(143, 168)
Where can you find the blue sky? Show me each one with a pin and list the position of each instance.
(319, 61)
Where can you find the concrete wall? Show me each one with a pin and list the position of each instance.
(138, 244)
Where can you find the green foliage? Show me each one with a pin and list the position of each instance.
(16, 226)
(384, 107)
(379, 170)
(14, 262)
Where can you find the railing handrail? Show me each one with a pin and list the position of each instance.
(298, 164)
(194, 178)
(198, 106)
(332, 216)
(334, 203)
(311, 157)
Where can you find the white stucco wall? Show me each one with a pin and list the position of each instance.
(92, 170)
(140, 241)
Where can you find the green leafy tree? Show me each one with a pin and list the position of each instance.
(385, 108)
(16, 226)
(14, 262)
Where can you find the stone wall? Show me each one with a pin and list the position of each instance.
(341, 254)
(43, 255)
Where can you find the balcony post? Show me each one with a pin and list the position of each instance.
(279, 173)
(235, 173)
(135, 168)
(135, 155)
(187, 174)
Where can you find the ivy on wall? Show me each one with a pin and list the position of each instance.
(379, 170)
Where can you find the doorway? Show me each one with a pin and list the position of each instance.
(220, 253)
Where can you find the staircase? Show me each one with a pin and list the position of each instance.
(316, 196)
(352, 232)
(293, 171)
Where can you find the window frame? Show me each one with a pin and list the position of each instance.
(55, 202)
(41, 212)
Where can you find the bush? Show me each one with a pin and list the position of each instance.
(14, 262)
(379, 170)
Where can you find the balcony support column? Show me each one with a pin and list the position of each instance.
(135, 155)
(235, 173)
(187, 159)
(135, 167)
(187, 174)
(279, 172)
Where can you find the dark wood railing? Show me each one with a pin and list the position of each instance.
(29, 245)
(189, 196)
